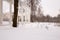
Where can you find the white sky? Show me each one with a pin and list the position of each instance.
(5, 6)
(50, 7)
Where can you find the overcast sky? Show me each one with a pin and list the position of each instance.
(50, 7)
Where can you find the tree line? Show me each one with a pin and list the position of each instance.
(45, 19)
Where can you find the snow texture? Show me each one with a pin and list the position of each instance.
(30, 31)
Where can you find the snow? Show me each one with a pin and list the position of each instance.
(30, 31)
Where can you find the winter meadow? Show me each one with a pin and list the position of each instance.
(29, 20)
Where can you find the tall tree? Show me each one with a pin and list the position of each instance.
(34, 4)
(31, 2)
(15, 13)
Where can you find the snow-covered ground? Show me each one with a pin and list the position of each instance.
(30, 31)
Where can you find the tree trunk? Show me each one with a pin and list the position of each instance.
(31, 9)
(15, 13)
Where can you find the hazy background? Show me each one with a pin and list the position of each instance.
(49, 7)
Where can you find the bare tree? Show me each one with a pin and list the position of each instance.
(31, 2)
(15, 13)
(34, 5)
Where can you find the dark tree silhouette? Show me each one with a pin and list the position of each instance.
(15, 13)
(32, 2)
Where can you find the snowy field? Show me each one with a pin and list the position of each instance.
(30, 31)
